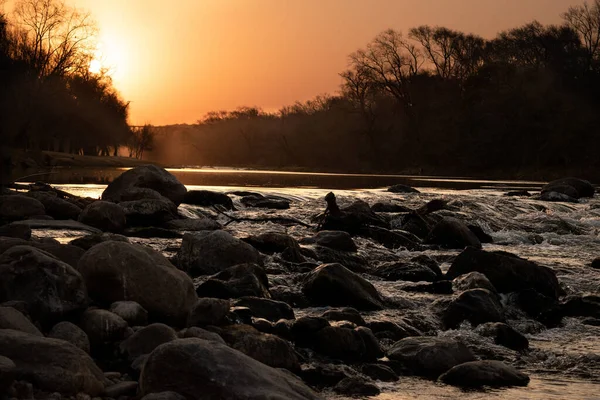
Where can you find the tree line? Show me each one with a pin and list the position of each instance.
(430, 100)
(49, 97)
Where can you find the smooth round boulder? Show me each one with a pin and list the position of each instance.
(472, 280)
(105, 216)
(149, 177)
(337, 240)
(89, 241)
(71, 333)
(56, 207)
(572, 187)
(271, 310)
(237, 281)
(199, 333)
(7, 373)
(208, 311)
(475, 374)
(149, 212)
(117, 271)
(475, 305)
(379, 372)
(10, 318)
(405, 271)
(452, 233)
(356, 386)
(130, 311)
(199, 369)
(16, 207)
(102, 326)
(145, 340)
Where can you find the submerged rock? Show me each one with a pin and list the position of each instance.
(484, 373)
(149, 212)
(265, 202)
(504, 335)
(207, 198)
(572, 187)
(453, 234)
(401, 271)
(337, 240)
(399, 188)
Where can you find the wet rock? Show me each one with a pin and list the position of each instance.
(133, 194)
(237, 281)
(147, 339)
(147, 176)
(572, 187)
(352, 218)
(125, 388)
(334, 285)
(65, 252)
(116, 271)
(452, 233)
(16, 207)
(208, 311)
(595, 263)
(130, 311)
(266, 348)
(193, 224)
(241, 315)
(56, 207)
(397, 330)
(418, 225)
(429, 356)
(507, 272)
(342, 343)
(582, 306)
(344, 314)
(163, 396)
(7, 373)
(504, 335)
(271, 310)
(591, 321)
(71, 333)
(379, 372)
(262, 325)
(481, 234)
(54, 365)
(399, 188)
(271, 242)
(484, 373)
(15, 231)
(337, 240)
(524, 193)
(475, 305)
(105, 216)
(149, 212)
(325, 375)
(208, 253)
(102, 326)
(353, 262)
(207, 198)
(265, 202)
(543, 308)
(402, 271)
(438, 287)
(89, 241)
(391, 239)
(304, 329)
(560, 195)
(388, 207)
(356, 386)
(11, 318)
(292, 296)
(152, 232)
(199, 369)
(472, 280)
(51, 288)
(199, 333)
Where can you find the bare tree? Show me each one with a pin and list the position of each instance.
(585, 20)
(142, 139)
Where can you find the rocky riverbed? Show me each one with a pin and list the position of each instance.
(163, 291)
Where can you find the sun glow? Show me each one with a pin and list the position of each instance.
(110, 57)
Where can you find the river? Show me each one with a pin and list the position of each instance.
(563, 362)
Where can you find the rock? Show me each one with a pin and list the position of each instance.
(116, 271)
(206, 198)
(352, 218)
(484, 373)
(208, 311)
(199, 369)
(543, 308)
(163, 396)
(507, 272)
(105, 216)
(334, 285)
(271, 310)
(147, 176)
(388, 207)
(262, 325)
(242, 315)
(429, 356)
(11, 318)
(54, 365)
(208, 253)
(452, 233)
(71, 333)
(595, 263)
(290, 295)
(379, 372)
(572, 187)
(53, 224)
(199, 333)
(237, 281)
(472, 280)
(402, 271)
(102, 326)
(393, 330)
(337, 240)
(15, 231)
(149, 212)
(52, 289)
(89, 241)
(56, 207)
(324, 375)
(344, 314)
(125, 388)
(194, 224)
(391, 239)
(399, 188)
(64, 252)
(266, 348)
(582, 306)
(134, 193)
(133, 313)
(7, 373)
(352, 261)
(356, 386)
(481, 234)
(147, 339)
(559, 194)
(341, 343)
(272, 242)
(303, 330)
(475, 305)
(504, 335)
(152, 232)
(16, 207)
(265, 202)
(524, 193)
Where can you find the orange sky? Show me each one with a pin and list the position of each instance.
(176, 60)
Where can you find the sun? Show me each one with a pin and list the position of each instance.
(110, 57)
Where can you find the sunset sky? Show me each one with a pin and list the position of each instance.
(176, 60)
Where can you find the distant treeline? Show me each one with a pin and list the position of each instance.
(433, 100)
(49, 98)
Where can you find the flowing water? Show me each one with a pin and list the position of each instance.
(564, 362)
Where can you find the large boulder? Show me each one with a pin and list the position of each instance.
(572, 187)
(11, 318)
(64, 252)
(71, 333)
(16, 207)
(147, 339)
(208, 253)
(334, 285)
(52, 365)
(237, 281)
(200, 369)
(130, 311)
(105, 216)
(452, 233)
(507, 272)
(475, 305)
(429, 356)
(147, 176)
(207, 198)
(149, 212)
(51, 288)
(484, 373)
(115, 271)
